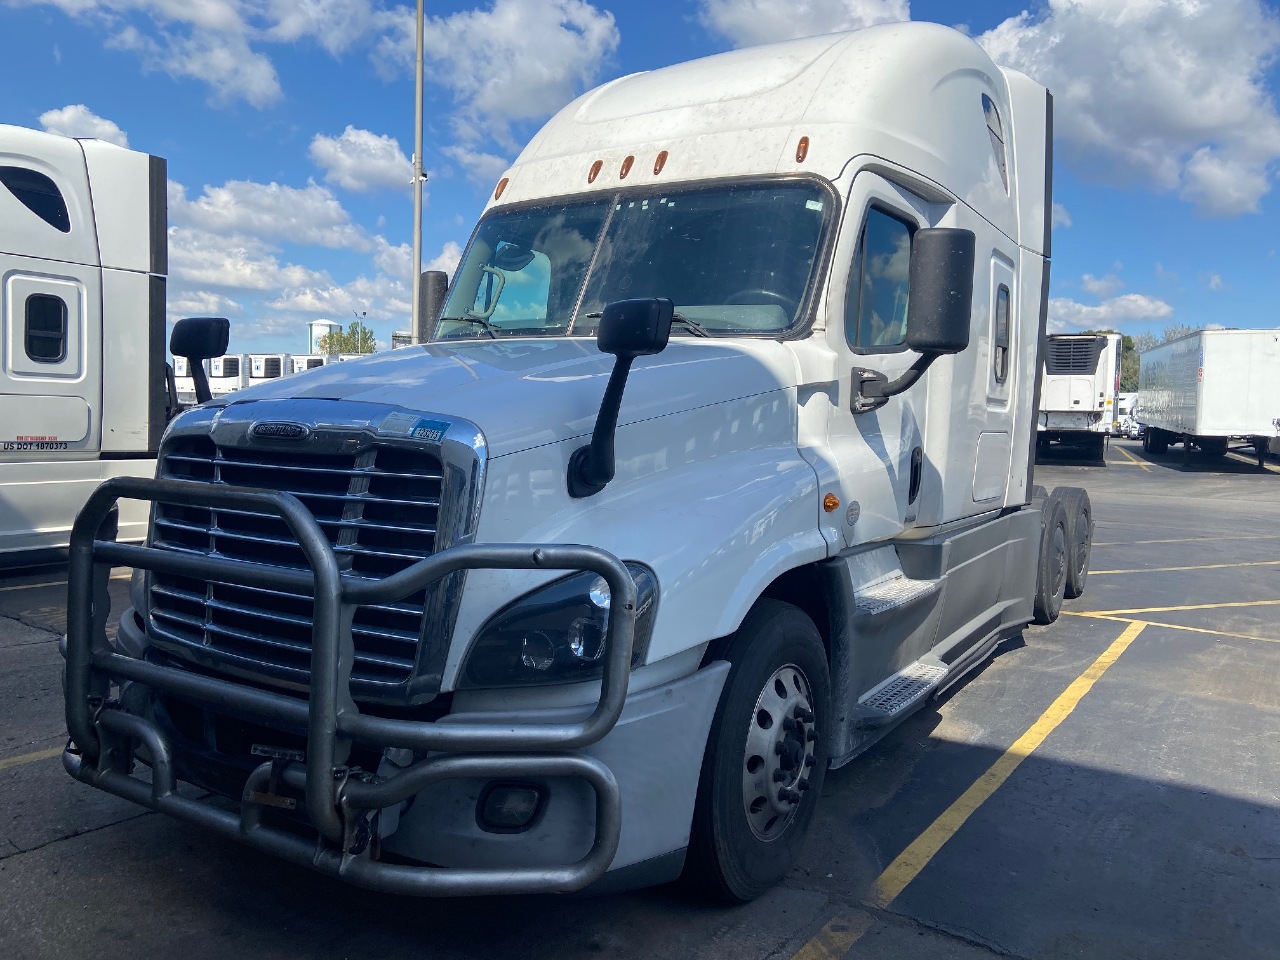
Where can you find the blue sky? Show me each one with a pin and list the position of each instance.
(287, 125)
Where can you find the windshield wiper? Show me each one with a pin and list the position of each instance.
(482, 322)
(697, 329)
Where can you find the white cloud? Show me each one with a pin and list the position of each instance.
(1169, 93)
(518, 60)
(221, 59)
(446, 260)
(201, 258)
(334, 24)
(380, 298)
(308, 215)
(482, 169)
(1065, 314)
(1102, 286)
(362, 161)
(77, 120)
(745, 23)
(1215, 283)
(1061, 218)
(201, 303)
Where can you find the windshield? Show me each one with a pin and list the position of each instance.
(735, 259)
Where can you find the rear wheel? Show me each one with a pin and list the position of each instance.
(1079, 511)
(1214, 447)
(766, 756)
(1159, 441)
(1051, 571)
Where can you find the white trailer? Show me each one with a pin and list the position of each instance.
(1081, 382)
(717, 466)
(268, 366)
(83, 384)
(228, 373)
(1209, 388)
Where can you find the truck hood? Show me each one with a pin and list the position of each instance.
(530, 392)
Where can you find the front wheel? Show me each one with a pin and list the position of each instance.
(766, 756)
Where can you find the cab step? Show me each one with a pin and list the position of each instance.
(901, 692)
(892, 594)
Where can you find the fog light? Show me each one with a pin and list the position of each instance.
(508, 807)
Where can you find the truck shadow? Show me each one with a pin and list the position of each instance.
(1238, 460)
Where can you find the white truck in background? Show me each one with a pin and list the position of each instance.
(1079, 391)
(83, 259)
(685, 502)
(1210, 388)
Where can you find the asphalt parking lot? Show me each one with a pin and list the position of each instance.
(1107, 786)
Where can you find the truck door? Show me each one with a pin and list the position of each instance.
(878, 453)
(50, 302)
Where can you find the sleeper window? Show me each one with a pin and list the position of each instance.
(1000, 351)
(46, 333)
(876, 302)
(38, 194)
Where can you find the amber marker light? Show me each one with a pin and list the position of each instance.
(595, 171)
(660, 163)
(502, 185)
(626, 167)
(830, 503)
(802, 149)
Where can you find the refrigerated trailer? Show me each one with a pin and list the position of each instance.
(1081, 383)
(1211, 388)
(717, 466)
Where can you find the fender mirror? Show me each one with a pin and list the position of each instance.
(938, 311)
(197, 339)
(628, 329)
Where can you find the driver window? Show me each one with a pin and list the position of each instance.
(875, 316)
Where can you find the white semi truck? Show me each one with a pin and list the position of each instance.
(1210, 388)
(718, 466)
(83, 259)
(1080, 388)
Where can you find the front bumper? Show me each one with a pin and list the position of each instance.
(107, 694)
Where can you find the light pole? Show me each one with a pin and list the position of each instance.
(419, 175)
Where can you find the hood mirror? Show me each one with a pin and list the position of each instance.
(197, 339)
(628, 329)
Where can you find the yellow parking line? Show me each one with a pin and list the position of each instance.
(1130, 543)
(1141, 463)
(916, 857)
(836, 936)
(58, 583)
(1203, 566)
(1189, 606)
(30, 757)
(1175, 626)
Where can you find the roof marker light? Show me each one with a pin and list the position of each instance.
(660, 163)
(626, 167)
(595, 171)
(502, 185)
(802, 149)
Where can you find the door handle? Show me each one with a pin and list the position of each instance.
(917, 470)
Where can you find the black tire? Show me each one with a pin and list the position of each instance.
(1075, 501)
(1159, 442)
(1146, 441)
(1214, 447)
(1097, 448)
(1051, 571)
(728, 858)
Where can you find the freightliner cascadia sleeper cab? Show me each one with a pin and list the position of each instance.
(718, 465)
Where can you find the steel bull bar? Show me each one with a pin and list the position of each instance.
(338, 803)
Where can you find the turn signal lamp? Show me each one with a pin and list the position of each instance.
(830, 503)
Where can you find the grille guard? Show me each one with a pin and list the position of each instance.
(337, 805)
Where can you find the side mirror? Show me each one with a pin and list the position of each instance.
(635, 328)
(942, 262)
(628, 329)
(938, 311)
(197, 339)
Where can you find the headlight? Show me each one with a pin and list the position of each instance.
(556, 633)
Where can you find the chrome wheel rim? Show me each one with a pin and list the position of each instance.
(781, 737)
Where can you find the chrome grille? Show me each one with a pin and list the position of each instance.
(379, 508)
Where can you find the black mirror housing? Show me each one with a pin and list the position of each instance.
(635, 328)
(941, 303)
(200, 338)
